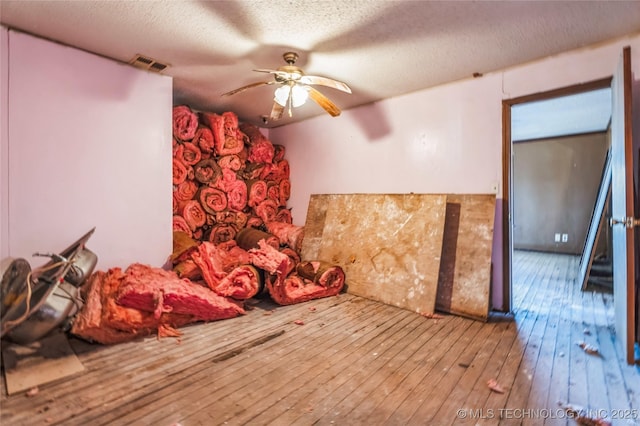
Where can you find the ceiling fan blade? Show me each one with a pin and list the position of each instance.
(248, 86)
(276, 111)
(324, 81)
(279, 73)
(324, 102)
(268, 71)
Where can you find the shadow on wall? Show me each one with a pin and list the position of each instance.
(372, 120)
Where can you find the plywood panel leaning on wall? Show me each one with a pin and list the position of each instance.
(465, 269)
(389, 245)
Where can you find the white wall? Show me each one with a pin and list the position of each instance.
(446, 139)
(89, 144)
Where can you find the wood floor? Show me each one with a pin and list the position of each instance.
(358, 362)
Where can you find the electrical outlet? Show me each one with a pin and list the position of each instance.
(557, 238)
(565, 238)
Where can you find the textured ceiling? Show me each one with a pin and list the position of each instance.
(381, 49)
(567, 115)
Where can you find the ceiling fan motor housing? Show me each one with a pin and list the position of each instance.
(294, 73)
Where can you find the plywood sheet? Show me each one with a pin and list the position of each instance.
(314, 225)
(44, 361)
(465, 270)
(389, 245)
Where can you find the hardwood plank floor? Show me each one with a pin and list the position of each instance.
(359, 362)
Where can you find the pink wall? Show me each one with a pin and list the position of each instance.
(431, 142)
(4, 147)
(89, 144)
(446, 139)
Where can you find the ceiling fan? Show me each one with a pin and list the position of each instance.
(295, 87)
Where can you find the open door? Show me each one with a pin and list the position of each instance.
(622, 219)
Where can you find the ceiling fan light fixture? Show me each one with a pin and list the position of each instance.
(299, 95)
(282, 95)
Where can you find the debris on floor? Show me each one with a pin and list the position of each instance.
(582, 416)
(26, 367)
(589, 349)
(495, 386)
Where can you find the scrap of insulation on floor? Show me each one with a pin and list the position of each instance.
(582, 416)
(495, 386)
(589, 349)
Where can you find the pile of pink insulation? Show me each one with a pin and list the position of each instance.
(226, 176)
(233, 240)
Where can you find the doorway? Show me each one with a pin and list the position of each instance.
(542, 135)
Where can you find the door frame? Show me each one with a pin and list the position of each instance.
(507, 171)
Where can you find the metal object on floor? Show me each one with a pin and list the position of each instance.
(47, 297)
(14, 274)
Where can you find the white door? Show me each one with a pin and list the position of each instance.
(622, 206)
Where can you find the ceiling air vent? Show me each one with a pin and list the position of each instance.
(148, 64)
